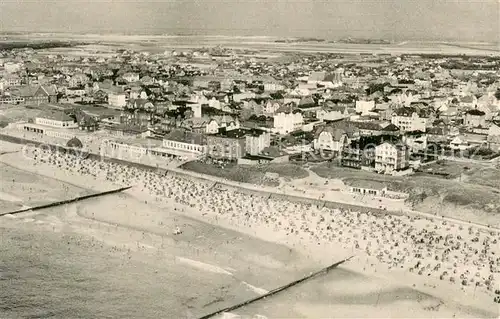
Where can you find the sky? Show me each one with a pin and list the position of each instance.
(464, 20)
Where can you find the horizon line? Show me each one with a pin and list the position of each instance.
(281, 37)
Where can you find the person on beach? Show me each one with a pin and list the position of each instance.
(421, 246)
(177, 230)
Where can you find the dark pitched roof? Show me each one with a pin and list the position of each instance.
(307, 101)
(390, 128)
(139, 102)
(286, 108)
(55, 115)
(126, 128)
(475, 113)
(408, 111)
(337, 108)
(28, 90)
(414, 133)
(337, 129)
(238, 133)
(371, 126)
(186, 137)
(399, 146)
(436, 131)
(255, 132)
(85, 119)
(276, 96)
(365, 142)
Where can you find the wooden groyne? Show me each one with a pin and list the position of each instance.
(67, 201)
(277, 290)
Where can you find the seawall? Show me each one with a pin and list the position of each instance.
(252, 189)
(240, 187)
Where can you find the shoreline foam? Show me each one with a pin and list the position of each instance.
(326, 252)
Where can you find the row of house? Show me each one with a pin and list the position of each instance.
(241, 108)
(30, 95)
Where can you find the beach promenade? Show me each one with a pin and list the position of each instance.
(433, 256)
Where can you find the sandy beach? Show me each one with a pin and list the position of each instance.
(435, 268)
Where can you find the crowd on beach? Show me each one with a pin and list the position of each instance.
(456, 253)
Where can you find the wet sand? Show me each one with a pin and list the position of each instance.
(132, 233)
(19, 189)
(106, 269)
(161, 43)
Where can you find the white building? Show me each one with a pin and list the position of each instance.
(11, 99)
(273, 87)
(285, 123)
(11, 67)
(122, 150)
(131, 77)
(475, 118)
(11, 80)
(332, 140)
(75, 91)
(230, 125)
(365, 107)
(333, 114)
(117, 100)
(459, 143)
(199, 98)
(391, 157)
(212, 127)
(256, 141)
(494, 135)
(45, 130)
(404, 98)
(185, 143)
(287, 120)
(494, 129)
(271, 107)
(56, 119)
(238, 97)
(417, 143)
(214, 103)
(197, 109)
(408, 119)
(316, 77)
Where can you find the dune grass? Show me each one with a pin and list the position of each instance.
(477, 191)
(247, 173)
